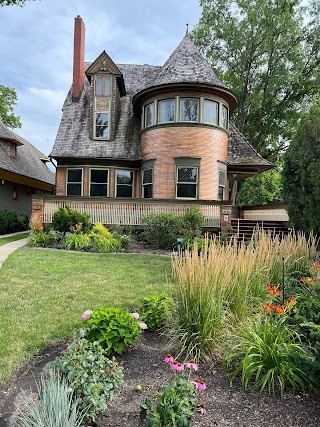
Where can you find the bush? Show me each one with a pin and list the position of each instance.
(40, 239)
(77, 242)
(106, 244)
(55, 406)
(99, 230)
(65, 218)
(193, 218)
(114, 329)
(94, 378)
(265, 356)
(161, 230)
(156, 310)
(11, 222)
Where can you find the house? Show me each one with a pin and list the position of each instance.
(135, 139)
(23, 172)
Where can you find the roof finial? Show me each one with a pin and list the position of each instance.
(187, 30)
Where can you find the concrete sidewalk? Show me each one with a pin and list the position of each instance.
(8, 248)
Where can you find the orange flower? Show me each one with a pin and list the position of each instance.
(293, 300)
(303, 280)
(279, 309)
(268, 307)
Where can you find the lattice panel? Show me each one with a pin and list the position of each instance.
(187, 174)
(210, 112)
(166, 111)
(147, 176)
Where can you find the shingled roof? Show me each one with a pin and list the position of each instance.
(186, 65)
(29, 160)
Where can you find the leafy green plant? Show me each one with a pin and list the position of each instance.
(94, 378)
(11, 222)
(65, 218)
(114, 328)
(176, 402)
(41, 239)
(156, 310)
(99, 230)
(77, 242)
(160, 230)
(106, 244)
(264, 356)
(193, 218)
(55, 407)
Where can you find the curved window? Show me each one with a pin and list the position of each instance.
(166, 110)
(149, 115)
(224, 118)
(189, 109)
(210, 112)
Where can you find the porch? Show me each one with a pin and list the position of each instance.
(117, 211)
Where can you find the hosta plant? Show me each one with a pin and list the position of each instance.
(94, 378)
(264, 354)
(114, 328)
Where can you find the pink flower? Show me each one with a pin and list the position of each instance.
(201, 408)
(135, 315)
(176, 366)
(143, 325)
(192, 365)
(201, 385)
(168, 359)
(86, 314)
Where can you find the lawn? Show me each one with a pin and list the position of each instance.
(44, 292)
(4, 240)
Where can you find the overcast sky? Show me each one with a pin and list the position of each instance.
(36, 49)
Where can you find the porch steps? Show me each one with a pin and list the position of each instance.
(244, 228)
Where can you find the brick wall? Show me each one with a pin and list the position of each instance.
(166, 143)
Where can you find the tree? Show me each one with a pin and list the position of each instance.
(301, 173)
(12, 2)
(267, 52)
(8, 98)
(261, 189)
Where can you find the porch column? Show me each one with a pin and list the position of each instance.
(37, 216)
(225, 216)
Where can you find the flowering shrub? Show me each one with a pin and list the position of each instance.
(93, 378)
(177, 401)
(114, 328)
(156, 310)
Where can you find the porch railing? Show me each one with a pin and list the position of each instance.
(125, 212)
(267, 213)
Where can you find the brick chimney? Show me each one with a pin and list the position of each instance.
(78, 59)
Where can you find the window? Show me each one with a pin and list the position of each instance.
(74, 182)
(166, 110)
(189, 109)
(224, 123)
(210, 112)
(13, 150)
(124, 183)
(15, 193)
(149, 115)
(147, 181)
(187, 182)
(102, 107)
(222, 182)
(99, 182)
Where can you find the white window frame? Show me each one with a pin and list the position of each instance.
(116, 182)
(187, 183)
(105, 169)
(67, 182)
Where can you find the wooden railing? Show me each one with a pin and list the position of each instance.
(129, 212)
(266, 213)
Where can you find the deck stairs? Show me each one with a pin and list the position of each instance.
(243, 228)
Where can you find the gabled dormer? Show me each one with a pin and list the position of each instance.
(107, 86)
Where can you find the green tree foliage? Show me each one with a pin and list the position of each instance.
(8, 98)
(12, 3)
(261, 189)
(301, 173)
(267, 52)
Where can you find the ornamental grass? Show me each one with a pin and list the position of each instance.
(224, 284)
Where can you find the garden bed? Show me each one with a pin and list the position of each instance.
(143, 365)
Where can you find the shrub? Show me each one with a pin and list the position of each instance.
(114, 329)
(77, 242)
(160, 230)
(265, 356)
(106, 244)
(94, 378)
(41, 239)
(11, 222)
(193, 218)
(65, 218)
(55, 407)
(99, 230)
(156, 310)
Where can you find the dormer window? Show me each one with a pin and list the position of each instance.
(13, 150)
(102, 107)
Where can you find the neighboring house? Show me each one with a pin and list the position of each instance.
(23, 172)
(140, 138)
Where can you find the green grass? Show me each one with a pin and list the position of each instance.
(44, 292)
(4, 240)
